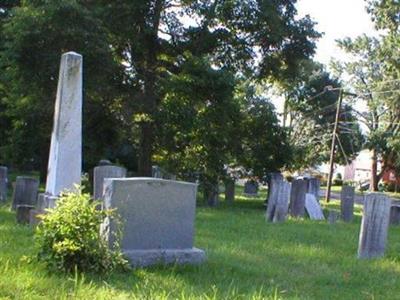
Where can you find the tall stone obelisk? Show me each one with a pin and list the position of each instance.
(65, 159)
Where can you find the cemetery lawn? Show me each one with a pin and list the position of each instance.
(247, 259)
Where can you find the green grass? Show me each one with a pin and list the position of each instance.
(247, 259)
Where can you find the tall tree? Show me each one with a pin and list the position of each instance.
(151, 38)
(34, 37)
(311, 105)
(373, 73)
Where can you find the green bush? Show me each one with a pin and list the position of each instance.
(389, 187)
(337, 182)
(69, 236)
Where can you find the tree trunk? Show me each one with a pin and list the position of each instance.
(374, 172)
(145, 149)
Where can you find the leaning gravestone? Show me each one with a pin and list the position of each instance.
(313, 208)
(102, 172)
(374, 226)
(26, 191)
(347, 203)
(395, 214)
(298, 197)
(158, 217)
(3, 183)
(278, 204)
(251, 188)
(313, 187)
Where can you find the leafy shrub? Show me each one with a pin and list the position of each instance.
(389, 187)
(337, 182)
(69, 236)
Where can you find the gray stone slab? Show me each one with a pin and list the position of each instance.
(333, 216)
(374, 226)
(313, 208)
(144, 258)
(274, 182)
(395, 214)
(229, 191)
(278, 204)
(347, 203)
(3, 183)
(314, 187)
(26, 191)
(211, 195)
(23, 213)
(102, 172)
(158, 217)
(298, 198)
(251, 188)
(65, 160)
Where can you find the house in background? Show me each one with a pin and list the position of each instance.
(360, 169)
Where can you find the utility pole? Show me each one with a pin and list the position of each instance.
(332, 158)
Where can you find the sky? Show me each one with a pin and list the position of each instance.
(337, 19)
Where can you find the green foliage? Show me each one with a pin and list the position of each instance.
(69, 237)
(310, 111)
(338, 181)
(34, 37)
(136, 53)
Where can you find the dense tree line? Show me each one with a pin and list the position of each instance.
(177, 83)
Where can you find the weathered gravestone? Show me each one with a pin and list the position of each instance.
(23, 213)
(156, 172)
(374, 226)
(210, 194)
(104, 162)
(251, 188)
(313, 208)
(158, 217)
(275, 179)
(333, 216)
(230, 190)
(3, 183)
(26, 191)
(395, 214)
(347, 203)
(65, 160)
(313, 187)
(102, 172)
(278, 203)
(298, 197)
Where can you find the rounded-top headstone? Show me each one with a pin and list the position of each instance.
(104, 162)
